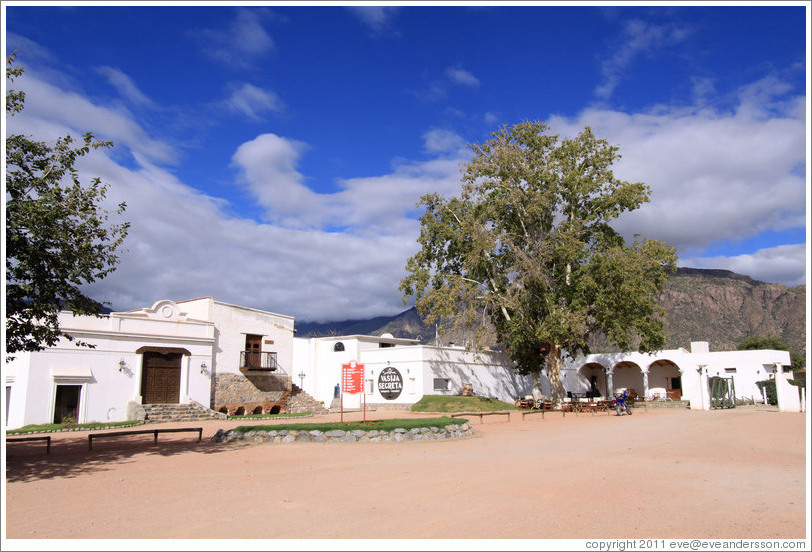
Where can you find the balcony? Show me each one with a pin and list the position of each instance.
(259, 362)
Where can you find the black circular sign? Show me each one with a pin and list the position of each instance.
(390, 383)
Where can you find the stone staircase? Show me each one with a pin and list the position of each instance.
(297, 401)
(187, 412)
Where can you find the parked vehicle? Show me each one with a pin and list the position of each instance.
(620, 405)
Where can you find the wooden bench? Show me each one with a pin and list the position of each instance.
(155, 432)
(480, 414)
(562, 411)
(47, 440)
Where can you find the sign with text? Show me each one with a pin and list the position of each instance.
(390, 383)
(352, 377)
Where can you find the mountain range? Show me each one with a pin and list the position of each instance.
(717, 306)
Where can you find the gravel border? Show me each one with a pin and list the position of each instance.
(452, 431)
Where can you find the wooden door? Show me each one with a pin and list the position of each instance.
(160, 383)
(253, 349)
(674, 390)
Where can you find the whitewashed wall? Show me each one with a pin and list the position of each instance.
(106, 387)
(694, 368)
(321, 365)
(234, 322)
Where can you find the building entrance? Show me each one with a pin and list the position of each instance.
(160, 382)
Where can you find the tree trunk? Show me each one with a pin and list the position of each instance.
(538, 391)
(554, 373)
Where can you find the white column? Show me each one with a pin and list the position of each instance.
(610, 385)
(645, 383)
(788, 400)
(704, 392)
(185, 373)
(139, 375)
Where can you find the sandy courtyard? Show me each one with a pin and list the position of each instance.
(661, 473)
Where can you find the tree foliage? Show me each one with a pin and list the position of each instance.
(528, 247)
(57, 234)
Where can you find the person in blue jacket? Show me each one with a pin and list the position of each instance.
(620, 403)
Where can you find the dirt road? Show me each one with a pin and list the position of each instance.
(661, 473)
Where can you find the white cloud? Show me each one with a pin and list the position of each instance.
(125, 86)
(443, 141)
(253, 102)
(714, 176)
(638, 38)
(26, 48)
(462, 77)
(785, 264)
(182, 245)
(267, 167)
(377, 18)
(437, 89)
(241, 43)
(50, 111)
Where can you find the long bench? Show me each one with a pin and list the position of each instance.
(155, 432)
(480, 414)
(46, 438)
(528, 412)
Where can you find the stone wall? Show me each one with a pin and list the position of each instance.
(252, 394)
(451, 431)
(388, 406)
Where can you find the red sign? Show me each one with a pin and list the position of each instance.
(352, 376)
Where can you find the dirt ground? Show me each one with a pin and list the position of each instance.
(661, 473)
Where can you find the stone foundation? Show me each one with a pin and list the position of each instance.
(236, 394)
(388, 406)
(451, 431)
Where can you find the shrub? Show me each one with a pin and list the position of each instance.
(769, 386)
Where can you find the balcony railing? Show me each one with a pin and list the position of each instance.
(266, 362)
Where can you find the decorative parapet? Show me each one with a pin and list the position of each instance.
(452, 431)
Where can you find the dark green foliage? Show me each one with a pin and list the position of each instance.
(769, 386)
(528, 249)
(57, 235)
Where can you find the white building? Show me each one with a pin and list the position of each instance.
(399, 372)
(253, 356)
(677, 374)
(200, 352)
(230, 359)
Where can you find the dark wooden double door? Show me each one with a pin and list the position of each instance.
(160, 380)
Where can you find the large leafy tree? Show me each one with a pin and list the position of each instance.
(527, 248)
(57, 234)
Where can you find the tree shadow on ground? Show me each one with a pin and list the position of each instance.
(70, 457)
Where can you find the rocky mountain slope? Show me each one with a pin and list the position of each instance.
(717, 306)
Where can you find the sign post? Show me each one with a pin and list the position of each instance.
(352, 378)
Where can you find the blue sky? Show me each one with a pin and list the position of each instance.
(271, 156)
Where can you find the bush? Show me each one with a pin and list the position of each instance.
(769, 385)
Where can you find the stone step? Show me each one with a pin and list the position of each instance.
(179, 412)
